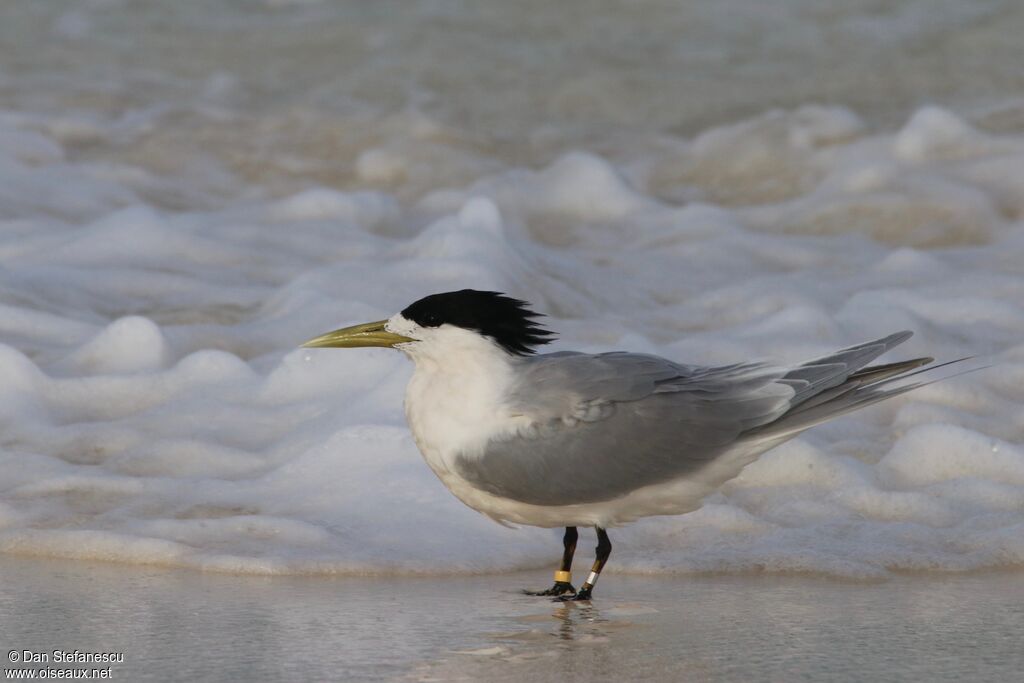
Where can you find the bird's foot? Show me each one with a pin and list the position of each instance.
(560, 588)
(582, 595)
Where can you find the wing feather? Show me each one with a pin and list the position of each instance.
(657, 420)
(605, 425)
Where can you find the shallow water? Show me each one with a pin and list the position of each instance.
(175, 625)
(190, 190)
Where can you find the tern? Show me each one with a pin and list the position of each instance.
(573, 439)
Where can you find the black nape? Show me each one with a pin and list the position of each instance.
(506, 320)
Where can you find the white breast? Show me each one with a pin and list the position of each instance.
(455, 401)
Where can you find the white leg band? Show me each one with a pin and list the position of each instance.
(592, 578)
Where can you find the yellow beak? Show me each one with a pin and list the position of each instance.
(367, 334)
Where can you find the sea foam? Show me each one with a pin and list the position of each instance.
(155, 406)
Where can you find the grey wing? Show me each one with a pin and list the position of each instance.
(607, 424)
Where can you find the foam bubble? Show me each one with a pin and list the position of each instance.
(132, 344)
(935, 453)
(934, 133)
(586, 186)
(363, 208)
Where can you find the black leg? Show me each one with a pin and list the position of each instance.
(604, 550)
(563, 577)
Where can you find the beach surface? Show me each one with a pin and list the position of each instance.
(177, 625)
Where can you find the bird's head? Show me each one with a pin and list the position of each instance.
(441, 321)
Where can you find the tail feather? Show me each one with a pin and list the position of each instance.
(811, 379)
(876, 373)
(823, 392)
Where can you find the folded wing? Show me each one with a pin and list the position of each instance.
(607, 424)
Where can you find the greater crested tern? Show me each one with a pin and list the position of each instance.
(576, 439)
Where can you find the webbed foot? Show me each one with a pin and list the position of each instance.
(560, 588)
(581, 595)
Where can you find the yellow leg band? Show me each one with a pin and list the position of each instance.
(564, 577)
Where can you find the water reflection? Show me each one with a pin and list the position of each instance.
(579, 620)
(945, 629)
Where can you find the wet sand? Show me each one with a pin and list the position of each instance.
(172, 624)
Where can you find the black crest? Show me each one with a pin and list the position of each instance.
(506, 320)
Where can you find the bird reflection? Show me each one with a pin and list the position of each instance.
(579, 621)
